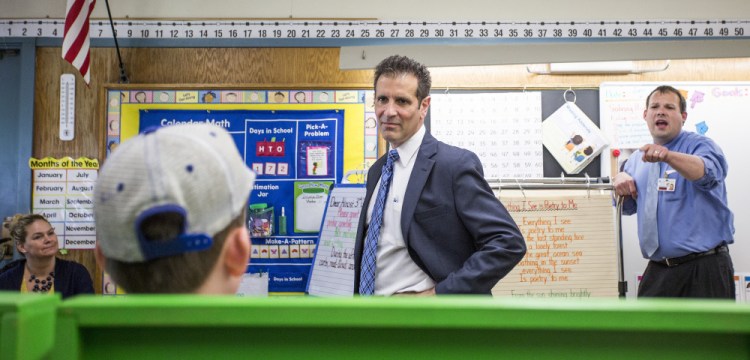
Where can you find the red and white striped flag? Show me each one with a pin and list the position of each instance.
(75, 47)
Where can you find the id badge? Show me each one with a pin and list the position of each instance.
(666, 184)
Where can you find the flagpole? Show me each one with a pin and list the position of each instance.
(123, 76)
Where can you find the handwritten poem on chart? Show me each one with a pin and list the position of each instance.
(332, 271)
(571, 245)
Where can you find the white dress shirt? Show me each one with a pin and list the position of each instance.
(396, 272)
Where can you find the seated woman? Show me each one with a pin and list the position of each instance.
(41, 271)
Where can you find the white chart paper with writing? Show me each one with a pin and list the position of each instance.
(332, 272)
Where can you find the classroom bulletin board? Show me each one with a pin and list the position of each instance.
(298, 142)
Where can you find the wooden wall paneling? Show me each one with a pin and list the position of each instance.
(284, 67)
(88, 131)
(517, 77)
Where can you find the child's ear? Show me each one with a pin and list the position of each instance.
(237, 252)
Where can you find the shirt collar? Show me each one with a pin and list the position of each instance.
(672, 142)
(407, 150)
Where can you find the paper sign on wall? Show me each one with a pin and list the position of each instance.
(332, 273)
(63, 192)
(572, 138)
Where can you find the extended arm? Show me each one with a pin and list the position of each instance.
(691, 167)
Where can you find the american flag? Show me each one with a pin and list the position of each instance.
(76, 39)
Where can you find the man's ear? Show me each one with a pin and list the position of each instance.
(237, 251)
(100, 259)
(424, 105)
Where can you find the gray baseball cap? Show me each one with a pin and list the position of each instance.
(193, 169)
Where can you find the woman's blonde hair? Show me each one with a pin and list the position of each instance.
(19, 223)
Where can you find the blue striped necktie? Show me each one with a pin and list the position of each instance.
(650, 224)
(367, 275)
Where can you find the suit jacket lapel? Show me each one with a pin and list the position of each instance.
(372, 181)
(373, 178)
(422, 168)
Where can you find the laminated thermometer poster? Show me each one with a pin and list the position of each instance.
(297, 156)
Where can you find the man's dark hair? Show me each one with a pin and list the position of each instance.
(666, 89)
(398, 65)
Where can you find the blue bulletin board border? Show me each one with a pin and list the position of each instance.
(355, 142)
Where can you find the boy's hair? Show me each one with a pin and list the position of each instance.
(164, 203)
(158, 275)
(397, 65)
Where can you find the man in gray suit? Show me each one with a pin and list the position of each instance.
(438, 228)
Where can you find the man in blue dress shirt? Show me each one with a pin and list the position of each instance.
(686, 229)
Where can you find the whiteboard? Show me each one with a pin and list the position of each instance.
(724, 107)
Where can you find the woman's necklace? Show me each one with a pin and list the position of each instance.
(41, 285)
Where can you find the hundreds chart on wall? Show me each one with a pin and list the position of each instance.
(503, 129)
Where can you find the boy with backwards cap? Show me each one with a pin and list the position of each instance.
(170, 209)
